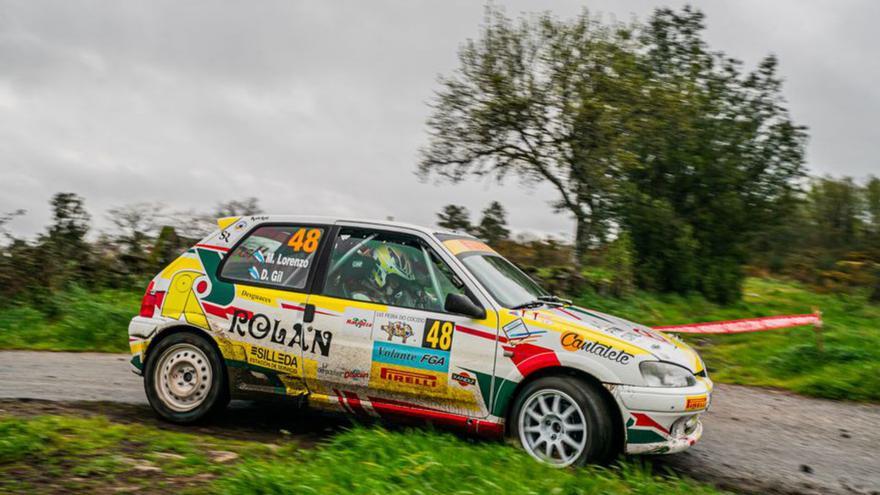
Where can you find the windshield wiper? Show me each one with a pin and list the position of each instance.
(548, 300)
(537, 303)
(555, 299)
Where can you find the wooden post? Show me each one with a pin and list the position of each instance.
(817, 330)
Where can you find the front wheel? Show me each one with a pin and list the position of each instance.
(184, 378)
(563, 421)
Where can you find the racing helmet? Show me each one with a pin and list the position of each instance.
(391, 260)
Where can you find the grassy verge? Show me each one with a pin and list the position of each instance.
(848, 368)
(75, 320)
(61, 453)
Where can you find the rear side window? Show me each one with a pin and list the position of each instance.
(280, 255)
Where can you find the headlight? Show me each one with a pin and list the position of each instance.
(660, 374)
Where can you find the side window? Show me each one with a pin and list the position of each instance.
(389, 268)
(280, 256)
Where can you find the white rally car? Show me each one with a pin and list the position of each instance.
(387, 320)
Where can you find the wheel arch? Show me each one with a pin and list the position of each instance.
(583, 376)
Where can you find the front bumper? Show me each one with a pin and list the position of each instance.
(662, 420)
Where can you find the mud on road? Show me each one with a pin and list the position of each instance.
(755, 440)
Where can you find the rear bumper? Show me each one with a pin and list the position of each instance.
(140, 331)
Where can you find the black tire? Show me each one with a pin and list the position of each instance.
(207, 398)
(599, 439)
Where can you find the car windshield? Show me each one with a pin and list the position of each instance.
(507, 284)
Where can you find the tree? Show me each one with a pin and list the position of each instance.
(135, 227)
(65, 241)
(454, 217)
(836, 208)
(237, 208)
(638, 127)
(716, 159)
(539, 99)
(493, 225)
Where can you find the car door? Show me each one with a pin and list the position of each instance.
(393, 342)
(272, 269)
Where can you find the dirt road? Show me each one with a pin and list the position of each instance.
(756, 440)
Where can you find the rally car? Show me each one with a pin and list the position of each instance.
(385, 319)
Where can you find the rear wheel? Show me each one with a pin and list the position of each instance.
(184, 379)
(563, 421)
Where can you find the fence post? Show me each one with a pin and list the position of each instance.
(817, 330)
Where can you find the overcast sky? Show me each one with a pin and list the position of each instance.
(319, 107)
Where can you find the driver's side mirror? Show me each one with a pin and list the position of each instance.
(462, 305)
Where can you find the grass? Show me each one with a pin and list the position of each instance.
(75, 320)
(62, 453)
(47, 454)
(847, 368)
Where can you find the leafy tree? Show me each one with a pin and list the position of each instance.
(493, 225)
(640, 127)
(716, 156)
(836, 208)
(872, 204)
(65, 240)
(538, 99)
(455, 217)
(237, 208)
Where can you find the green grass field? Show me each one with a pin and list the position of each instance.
(848, 368)
(50, 454)
(76, 320)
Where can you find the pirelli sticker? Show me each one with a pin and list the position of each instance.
(696, 402)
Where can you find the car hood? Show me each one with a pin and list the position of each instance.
(663, 346)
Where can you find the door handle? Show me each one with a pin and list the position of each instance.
(309, 313)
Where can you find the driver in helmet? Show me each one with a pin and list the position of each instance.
(392, 279)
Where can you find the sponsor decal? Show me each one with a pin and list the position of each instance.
(281, 260)
(413, 357)
(261, 327)
(359, 322)
(696, 402)
(355, 374)
(438, 334)
(408, 377)
(270, 358)
(397, 329)
(573, 341)
(255, 297)
(464, 379)
(518, 332)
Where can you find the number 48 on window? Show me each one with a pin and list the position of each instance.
(305, 240)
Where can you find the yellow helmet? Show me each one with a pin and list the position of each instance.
(391, 261)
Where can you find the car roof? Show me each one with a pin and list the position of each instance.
(348, 220)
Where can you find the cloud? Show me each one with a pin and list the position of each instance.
(319, 107)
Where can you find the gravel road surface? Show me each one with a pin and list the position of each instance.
(756, 440)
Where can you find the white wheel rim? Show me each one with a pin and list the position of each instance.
(183, 377)
(552, 427)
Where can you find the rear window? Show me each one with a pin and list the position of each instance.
(279, 255)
